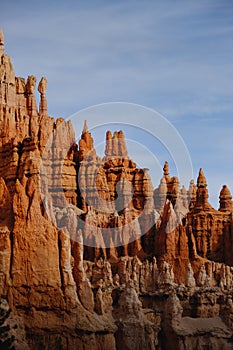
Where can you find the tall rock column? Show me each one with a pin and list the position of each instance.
(1, 42)
(7, 77)
(21, 113)
(225, 200)
(43, 110)
(31, 100)
(31, 107)
(202, 193)
(116, 145)
(86, 143)
(7, 96)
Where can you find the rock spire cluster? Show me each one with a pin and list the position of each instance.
(92, 256)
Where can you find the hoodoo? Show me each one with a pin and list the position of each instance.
(91, 255)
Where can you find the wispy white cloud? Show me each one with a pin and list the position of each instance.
(125, 51)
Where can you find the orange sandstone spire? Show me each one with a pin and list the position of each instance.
(1, 42)
(225, 199)
(201, 180)
(166, 169)
(85, 127)
(43, 101)
(86, 143)
(115, 144)
(202, 194)
(166, 172)
(108, 147)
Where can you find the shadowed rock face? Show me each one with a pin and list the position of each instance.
(91, 255)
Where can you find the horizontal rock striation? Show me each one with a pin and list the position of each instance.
(91, 255)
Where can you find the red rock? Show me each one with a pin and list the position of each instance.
(89, 249)
(43, 102)
(225, 197)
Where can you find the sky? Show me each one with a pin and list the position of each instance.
(174, 57)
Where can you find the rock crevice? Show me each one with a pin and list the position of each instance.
(91, 255)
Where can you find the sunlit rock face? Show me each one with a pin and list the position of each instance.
(91, 255)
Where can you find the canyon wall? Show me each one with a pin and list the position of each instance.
(91, 255)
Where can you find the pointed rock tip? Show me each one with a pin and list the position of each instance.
(85, 127)
(225, 192)
(1, 180)
(201, 172)
(166, 168)
(18, 186)
(108, 135)
(1, 42)
(201, 180)
(121, 134)
(42, 85)
(1, 37)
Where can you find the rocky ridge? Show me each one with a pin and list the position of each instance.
(91, 255)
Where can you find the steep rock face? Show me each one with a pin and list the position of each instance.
(193, 333)
(12, 330)
(117, 199)
(35, 258)
(136, 329)
(91, 255)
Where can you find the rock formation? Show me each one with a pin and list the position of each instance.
(91, 255)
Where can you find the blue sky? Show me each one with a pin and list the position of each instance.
(172, 56)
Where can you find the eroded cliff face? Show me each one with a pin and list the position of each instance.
(91, 255)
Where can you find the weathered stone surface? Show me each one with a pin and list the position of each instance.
(225, 200)
(136, 329)
(12, 330)
(91, 255)
(43, 110)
